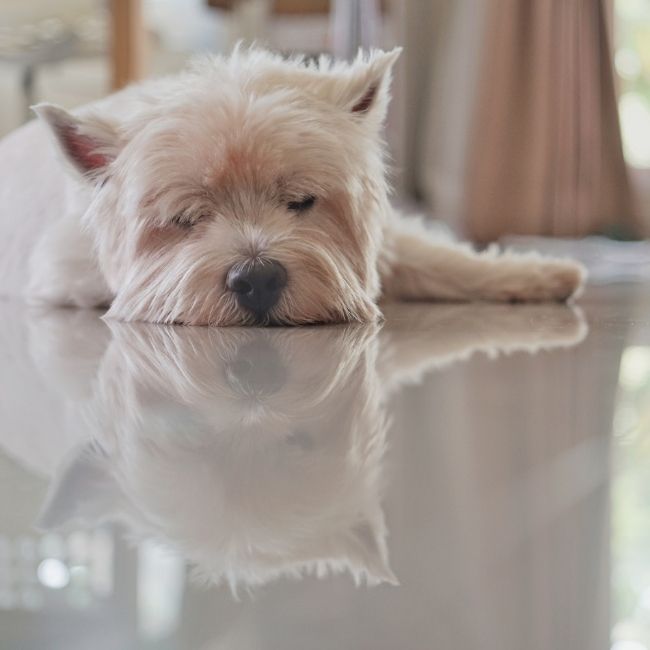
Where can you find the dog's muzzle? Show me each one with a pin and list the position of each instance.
(257, 285)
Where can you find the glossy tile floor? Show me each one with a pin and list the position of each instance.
(464, 477)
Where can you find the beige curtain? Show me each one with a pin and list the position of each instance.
(545, 155)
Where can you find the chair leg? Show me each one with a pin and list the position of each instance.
(27, 81)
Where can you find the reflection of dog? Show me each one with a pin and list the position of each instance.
(248, 190)
(258, 453)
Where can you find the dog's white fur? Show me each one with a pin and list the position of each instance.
(174, 181)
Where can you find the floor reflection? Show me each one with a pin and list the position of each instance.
(257, 453)
(440, 458)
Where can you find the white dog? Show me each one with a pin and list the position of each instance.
(250, 189)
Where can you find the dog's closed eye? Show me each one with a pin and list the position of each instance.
(186, 221)
(301, 205)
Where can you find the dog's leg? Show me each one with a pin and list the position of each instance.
(63, 269)
(418, 338)
(417, 267)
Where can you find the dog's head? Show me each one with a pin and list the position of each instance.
(248, 189)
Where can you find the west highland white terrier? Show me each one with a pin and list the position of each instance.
(248, 190)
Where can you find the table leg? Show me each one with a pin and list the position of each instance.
(127, 42)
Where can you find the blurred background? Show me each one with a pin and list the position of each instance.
(510, 117)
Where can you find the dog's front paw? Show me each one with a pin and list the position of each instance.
(541, 280)
(530, 278)
(63, 270)
(568, 280)
(557, 280)
(69, 293)
(67, 282)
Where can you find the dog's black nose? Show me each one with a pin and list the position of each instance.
(257, 285)
(257, 370)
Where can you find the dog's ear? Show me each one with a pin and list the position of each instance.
(85, 492)
(363, 88)
(367, 553)
(89, 144)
